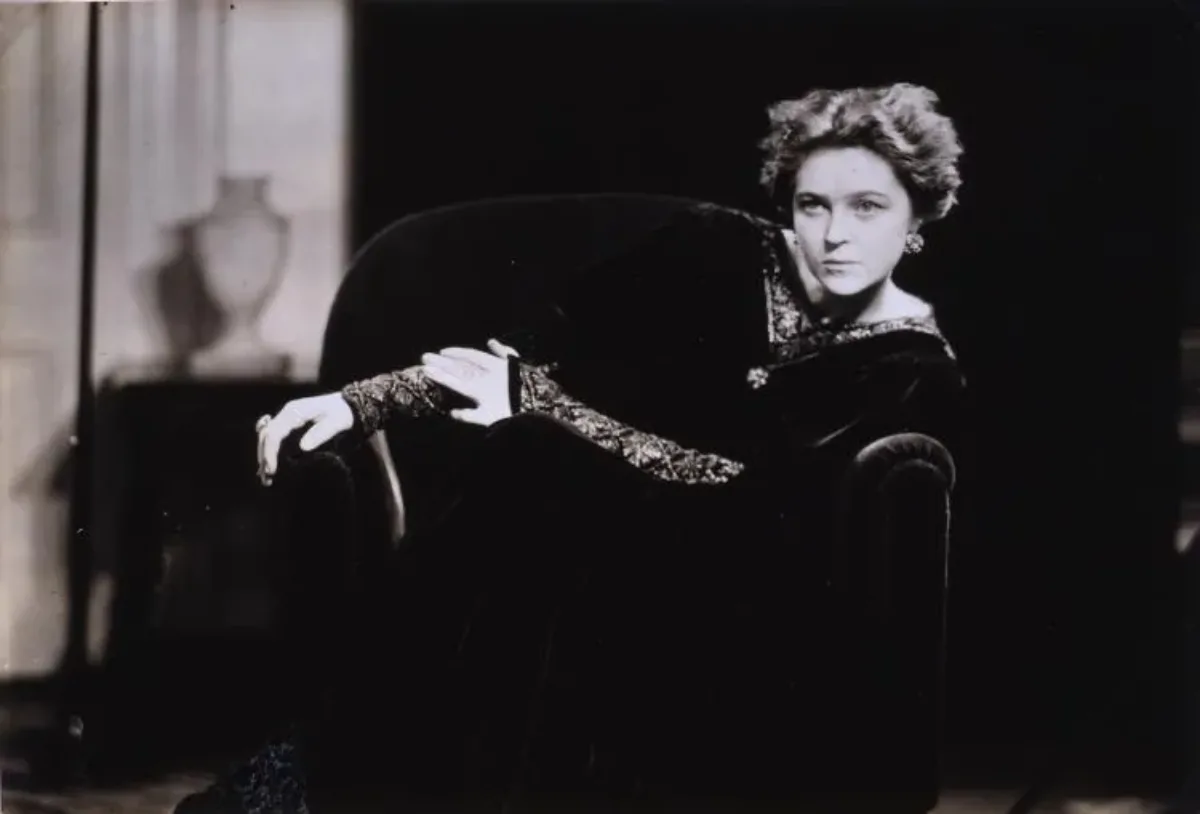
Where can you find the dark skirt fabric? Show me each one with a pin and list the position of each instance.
(565, 626)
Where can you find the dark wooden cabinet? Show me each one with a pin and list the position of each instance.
(183, 532)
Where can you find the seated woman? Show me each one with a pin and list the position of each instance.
(652, 455)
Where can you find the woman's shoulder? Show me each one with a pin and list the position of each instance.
(918, 347)
(732, 220)
(912, 344)
(722, 241)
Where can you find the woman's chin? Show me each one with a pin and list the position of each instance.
(843, 286)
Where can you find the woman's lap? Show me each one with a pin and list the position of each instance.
(549, 534)
(553, 546)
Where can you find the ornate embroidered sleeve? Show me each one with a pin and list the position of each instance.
(405, 392)
(653, 454)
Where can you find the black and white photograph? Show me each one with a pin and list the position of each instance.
(546, 406)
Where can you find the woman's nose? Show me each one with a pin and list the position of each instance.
(837, 231)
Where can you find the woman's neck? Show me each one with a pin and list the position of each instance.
(893, 302)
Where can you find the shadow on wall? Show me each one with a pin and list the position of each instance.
(190, 317)
(45, 486)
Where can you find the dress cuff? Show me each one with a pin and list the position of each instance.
(515, 384)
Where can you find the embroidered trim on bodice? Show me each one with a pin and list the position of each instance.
(785, 320)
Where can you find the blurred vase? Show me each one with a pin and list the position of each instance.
(242, 248)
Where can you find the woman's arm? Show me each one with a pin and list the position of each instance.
(587, 329)
(402, 393)
(657, 456)
(411, 393)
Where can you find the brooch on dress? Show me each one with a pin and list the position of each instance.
(757, 377)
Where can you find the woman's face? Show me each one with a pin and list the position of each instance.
(851, 216)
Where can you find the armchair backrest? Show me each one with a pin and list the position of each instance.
(464, 272)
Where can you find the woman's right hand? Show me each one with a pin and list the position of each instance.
(325, 416)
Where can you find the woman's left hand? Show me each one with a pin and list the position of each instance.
(479, 376)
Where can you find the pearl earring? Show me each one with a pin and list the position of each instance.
(913, 243)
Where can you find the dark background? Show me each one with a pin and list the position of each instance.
(1058, 278)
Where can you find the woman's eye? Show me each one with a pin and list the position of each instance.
(868, 206)
(808, 206)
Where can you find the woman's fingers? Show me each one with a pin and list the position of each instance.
(471, 356)
(260, 427)
(458, 368)
(481, 376)
(468, 415)
(291, 418)
(319, 433)
(500, 349)
(448, 379)
(329, 415)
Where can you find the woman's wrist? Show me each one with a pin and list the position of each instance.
(360, 407)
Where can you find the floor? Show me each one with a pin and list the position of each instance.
(160, 795)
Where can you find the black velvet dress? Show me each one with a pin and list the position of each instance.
(602, 602)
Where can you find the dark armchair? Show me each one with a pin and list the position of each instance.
(461, 274)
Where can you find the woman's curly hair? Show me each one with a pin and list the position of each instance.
(899, 122)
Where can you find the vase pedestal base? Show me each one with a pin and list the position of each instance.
(254, 365)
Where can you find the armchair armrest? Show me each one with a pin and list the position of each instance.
(393, 496)
(908, 446)
(891, 573)
(894, 522)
